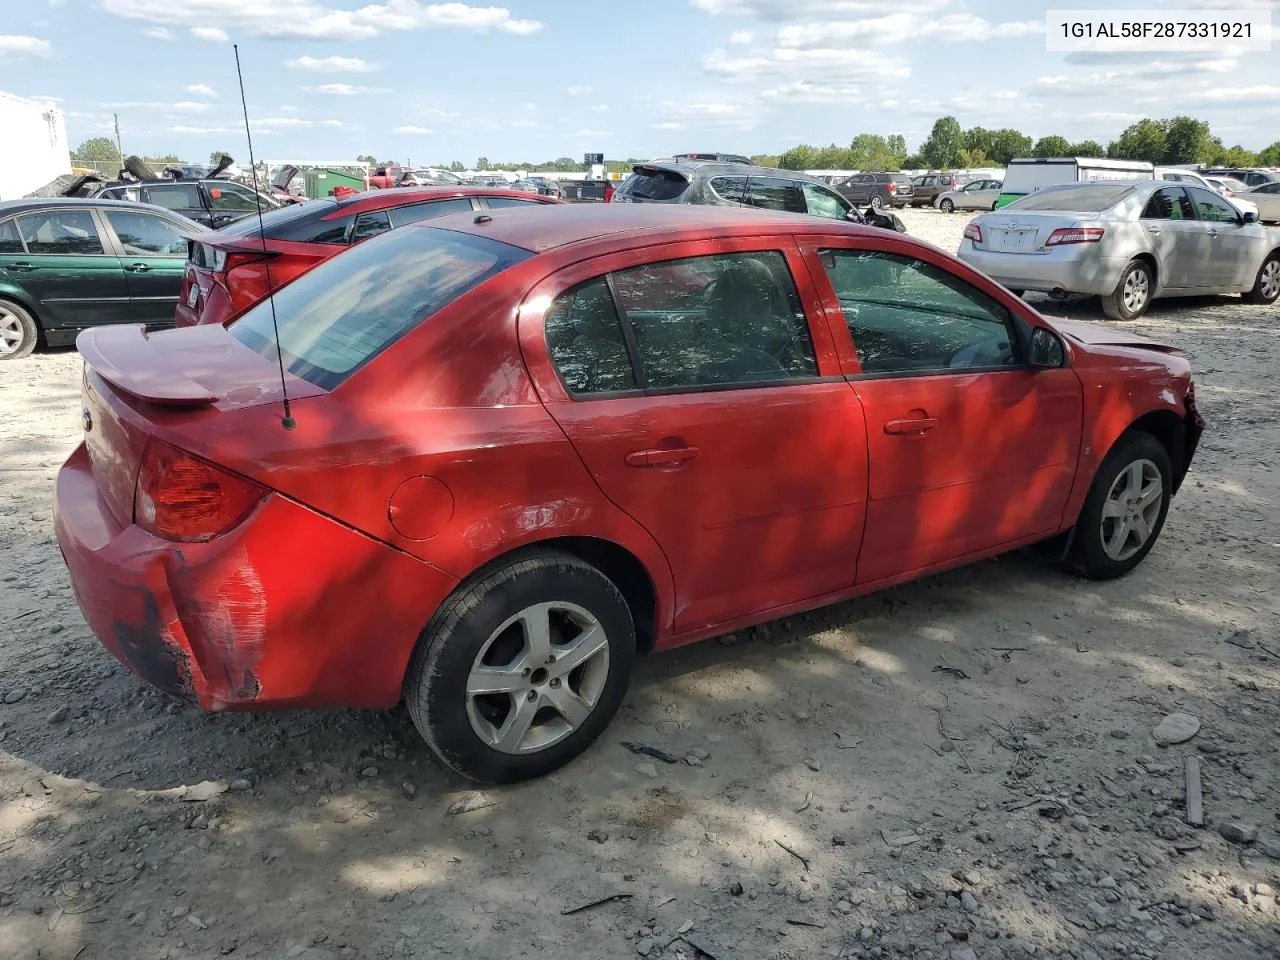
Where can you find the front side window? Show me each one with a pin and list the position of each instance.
(233, 197)
(774, 193)
(821, 202)
(1211, 208)
(1170, 203)
(60, 231)
(413, 212)
(717, 320)
(142, 234)
(338, 316)
(370, 225)
(908, 316)
(173, 196)
(586, 342)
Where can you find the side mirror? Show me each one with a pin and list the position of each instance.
(1047, 349)
(1249, 217)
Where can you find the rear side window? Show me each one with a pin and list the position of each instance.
(141, 234)
(586, 342)
(1171, 203)
(173, 196)
(656, 185)
(774, 193)
(729, 188)
(497, 203)
(413, 212)
(10, 242)
(821, 202)
(370, 225)
(337, 317)
(60, 231)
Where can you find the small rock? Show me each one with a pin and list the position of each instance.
(471, 803)
(1237, 832)
(599, 836)
(1270, 847)
(1080, 822)
(409, 789)
(60, 714)
(645, 946)
(649, 770)
(1120, 734)
(735, 889)
(241, 785)
(813, 764)
(368, 772)
(968, 902)
(693, 760)
(15, 696)
(1176, 728)
(684, 927)
(1264, 890)
(700, 753)
(196, 922)
(963, 953)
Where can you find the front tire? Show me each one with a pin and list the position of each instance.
(1266, 288)
(1132, 294)
(1125, 510)
(521, 669)
(19, 332)
(947, 206)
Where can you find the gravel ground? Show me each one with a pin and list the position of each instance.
(854, 800)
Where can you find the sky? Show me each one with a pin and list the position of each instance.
(539, 79)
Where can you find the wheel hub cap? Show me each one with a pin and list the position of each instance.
(1136, 289)
(1131, 510)
(1271, 279)
(537, 678)
(10, 332)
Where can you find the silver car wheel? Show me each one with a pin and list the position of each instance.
(11, 332)
(1269, 282)
(537, 678)
(1131, 510)
(1137, 288)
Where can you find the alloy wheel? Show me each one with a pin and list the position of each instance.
(11, 332)
(537, 678)
(1131, 510)
(1137, 287)
(1269, 282)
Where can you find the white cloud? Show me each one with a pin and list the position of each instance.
(741, 37)
(706, 115)
(317, 20)
(197, 131)
(211, 34)
(668, 125)
(200, 90)
(277, 123)
(157, 33)
(412, 129)
(586, 134)
(331, 65)
(182, 106)
(580, 90)
(902, 27)
(813, 9)
(803, 91)
(1257, 93)
(346, 89)
(56, 3)
(17, 45)
(818, 64)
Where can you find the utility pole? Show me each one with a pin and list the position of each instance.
(119, 145)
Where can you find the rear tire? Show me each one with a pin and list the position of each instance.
(537, 717)
(19, 332)
(1132, 294)
(877, 202)
(1266, 288)
(947, 206)
(1122, 518)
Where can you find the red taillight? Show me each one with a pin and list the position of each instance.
(973, 232)
(180, 497)
(1074, 235)
(608, 193)
(891, 187)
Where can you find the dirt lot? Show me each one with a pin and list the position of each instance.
(856, 801)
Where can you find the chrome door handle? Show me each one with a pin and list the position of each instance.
(1154, 231)
(914, 426)
(137, 267)
(661, 456)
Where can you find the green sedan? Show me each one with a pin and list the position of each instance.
(67, 264)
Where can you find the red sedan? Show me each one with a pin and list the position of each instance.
(227, 271)
(526, 446)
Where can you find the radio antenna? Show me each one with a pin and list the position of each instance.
(287, 421)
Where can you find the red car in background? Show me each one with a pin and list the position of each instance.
(528, 447)
(227, 271)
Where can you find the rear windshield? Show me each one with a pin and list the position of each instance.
(1090, 199)
(346, 311)
(655, 185)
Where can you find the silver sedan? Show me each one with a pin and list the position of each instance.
(978, 195)
(1128, 242)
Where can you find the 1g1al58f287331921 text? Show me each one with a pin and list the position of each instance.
(1157, 31)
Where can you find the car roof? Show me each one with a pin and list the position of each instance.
(400, 196)
(540, 230)
(715, 168)
(37, 203)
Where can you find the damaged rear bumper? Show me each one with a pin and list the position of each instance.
(288, 609)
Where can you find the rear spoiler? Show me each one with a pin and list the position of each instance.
(123, 356)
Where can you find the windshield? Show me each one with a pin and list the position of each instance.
(337, 317)
(1083, 199)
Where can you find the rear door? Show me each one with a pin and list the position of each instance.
(75, 280)
(702, 393)
(969, 448)
(1176, 238)
(154, 255)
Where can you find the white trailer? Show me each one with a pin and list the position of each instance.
(35, 150)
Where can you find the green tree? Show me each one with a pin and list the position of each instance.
(482, 163)
(942, 149)
(1087, 148)
(1007, 144)
(163, 158)
(766, 159)
(217, 155)
(97, 148)
(456, 166)
(1145, 140)
(800, 157)
(1051, 146)
(974, 158)
(1188, 140)
(897, 145)
(912, 161)
(1270, 157)
(976, 142)
(368, 158)
(1236, 156)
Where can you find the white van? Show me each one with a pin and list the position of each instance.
(1028, 175)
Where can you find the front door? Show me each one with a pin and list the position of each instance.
(708, 409)
(1176, 239)
(67, 270)
(1233, 248)
(154, 256)
(969, 448)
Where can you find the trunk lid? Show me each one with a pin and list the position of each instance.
(1022, 232)
(137, 384)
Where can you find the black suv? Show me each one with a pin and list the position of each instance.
(731, 184)
(1254, 178)
(880, 190)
